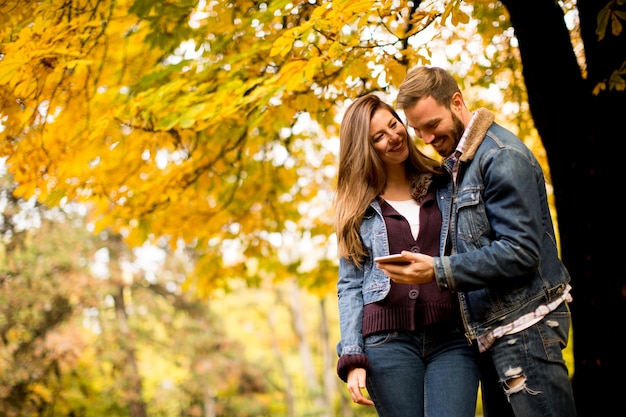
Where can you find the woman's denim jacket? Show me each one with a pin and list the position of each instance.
(367, 284)
(504, 260)
(359, 286)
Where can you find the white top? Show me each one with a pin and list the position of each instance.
(411, 212)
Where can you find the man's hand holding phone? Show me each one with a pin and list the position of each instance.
(408, 267)
(392, 259)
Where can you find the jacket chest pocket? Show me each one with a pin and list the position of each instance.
(471, 218)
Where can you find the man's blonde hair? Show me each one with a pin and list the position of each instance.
(425, 81)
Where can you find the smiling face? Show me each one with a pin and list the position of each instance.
(389, 137)
(437, 125)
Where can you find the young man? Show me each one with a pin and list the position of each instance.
(503, 259)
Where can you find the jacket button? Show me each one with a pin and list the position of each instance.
(413, 294)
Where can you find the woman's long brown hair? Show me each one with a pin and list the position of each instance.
(362, 176)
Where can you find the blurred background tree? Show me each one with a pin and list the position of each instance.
(88, 328)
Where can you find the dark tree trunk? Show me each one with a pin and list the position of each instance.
(580, 132)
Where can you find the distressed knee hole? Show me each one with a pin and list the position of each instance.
(513, 373)
(515, 381)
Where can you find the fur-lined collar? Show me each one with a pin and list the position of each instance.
(483, 119)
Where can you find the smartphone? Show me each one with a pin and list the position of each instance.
(393, 259)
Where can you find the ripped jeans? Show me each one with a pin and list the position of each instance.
(524, 374)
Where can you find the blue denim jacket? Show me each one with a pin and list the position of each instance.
(505, 261)
(359, 286)
(367, 284)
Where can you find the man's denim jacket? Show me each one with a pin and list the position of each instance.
(504, 260)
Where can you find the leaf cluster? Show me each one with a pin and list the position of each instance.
(211, 126)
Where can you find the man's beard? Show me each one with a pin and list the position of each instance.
(457, 129)
(455, 134)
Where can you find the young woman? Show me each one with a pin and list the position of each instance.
(404, 343)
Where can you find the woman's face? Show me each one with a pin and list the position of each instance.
(389, 137)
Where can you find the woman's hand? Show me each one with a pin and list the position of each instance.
(420, 269)
(356, 383)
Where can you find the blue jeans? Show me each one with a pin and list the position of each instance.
(432, 373)
(536, 355)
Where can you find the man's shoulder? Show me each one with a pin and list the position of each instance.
(500, 136)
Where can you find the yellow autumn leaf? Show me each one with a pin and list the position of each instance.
(282, 45)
